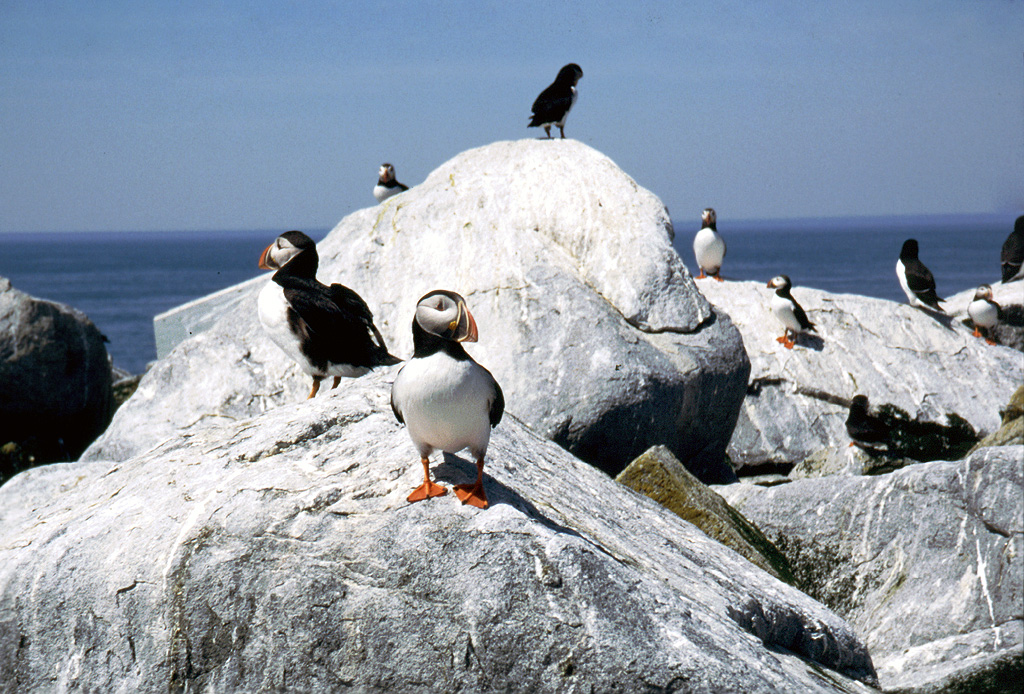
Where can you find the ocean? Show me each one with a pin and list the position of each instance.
(122, 279)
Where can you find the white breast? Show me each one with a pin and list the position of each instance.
(983, 313)
(902, 276)
(445, 404)
(709, 249)
(273, 312)
(783, 310)
(382, 193)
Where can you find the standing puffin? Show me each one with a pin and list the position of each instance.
(788, 311)
(984, 313)
(329, 331)
(709, 246)
(553, 104)
(1012, 256)
(864, 429)
(916, 280)
(386, 183)
(447, 400)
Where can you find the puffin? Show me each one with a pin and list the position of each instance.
(984, 313)
(916, 280)
(386, 183)
(1012, 256)
(788, 311)
(709, 246)
(328, 331)
(863, 428)
(447, 401)
(553, 104)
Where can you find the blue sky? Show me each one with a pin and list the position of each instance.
(229, 115)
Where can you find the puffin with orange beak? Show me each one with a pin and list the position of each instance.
(447, 400)
(328, 331)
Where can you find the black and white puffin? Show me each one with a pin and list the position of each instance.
(1012, 256)
(984, 313)
(328, 331)
(709, 246)
(553, 104)
(788, 311)
(447, 400)
(916, 280)
(865, 430)
(386, 183)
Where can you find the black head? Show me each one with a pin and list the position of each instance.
(570, 74)
(780, 282)
(286, 248)
(859, 403)
(909, 250)
(708, 218)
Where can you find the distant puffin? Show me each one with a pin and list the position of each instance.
(1012, 257)
(447, 400)
(329, 331)
(709, 246)
(984, 313)
(864, 429)
(788, 311)
(916, 280)
(553, 104)
(386, 183)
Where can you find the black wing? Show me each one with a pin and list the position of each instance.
(394, 408)
(801, 316)
(551, 105)
(921, 282)
(498, 405)
(1012, 255)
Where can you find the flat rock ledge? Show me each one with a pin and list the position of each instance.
(925, 369)
(278, 552)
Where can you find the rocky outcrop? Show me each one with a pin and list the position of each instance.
(1012, 430)
(1010, 297)
(55, 381)
(587, 317)
(279, 553)
(922, 369)
(927, 563)
(659, 475)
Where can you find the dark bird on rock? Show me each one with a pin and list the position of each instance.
(386, 183)
(553, 104)
(864, 429)
(1012, 256)
(788, 311)
(916, 280)
(984, 313)
(447, 400)
(328, 331)
(709, 246)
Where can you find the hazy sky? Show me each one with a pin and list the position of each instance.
(221, 115)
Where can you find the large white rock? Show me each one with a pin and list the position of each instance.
(926, 562)
(278, 553)
(588, 318)
(926, 365)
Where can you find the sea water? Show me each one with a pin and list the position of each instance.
(122, 279)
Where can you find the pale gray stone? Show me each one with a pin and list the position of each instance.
(279, 553)
(926, 365)
(588, 319)
(927, 563)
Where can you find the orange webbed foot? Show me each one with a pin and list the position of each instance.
(472, 494)
(426, 491)
(782, 339)
(976, 333)
(718, 279)
(315, 389)
(788, 344)
(990, 341)
(701, 275)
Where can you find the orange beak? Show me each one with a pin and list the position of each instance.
(263, 258)
(471, 334)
